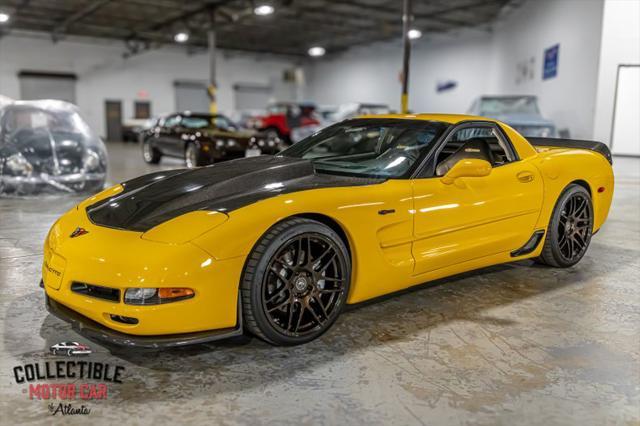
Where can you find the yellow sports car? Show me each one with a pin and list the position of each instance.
(278, 245)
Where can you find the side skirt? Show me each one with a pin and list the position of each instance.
(530, 245)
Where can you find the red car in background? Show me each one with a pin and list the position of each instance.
(283, 116)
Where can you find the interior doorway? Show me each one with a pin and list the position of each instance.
(625, 129)
(113, 112)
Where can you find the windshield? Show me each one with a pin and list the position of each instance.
(387, 148)
(511, 105)
(208, 122)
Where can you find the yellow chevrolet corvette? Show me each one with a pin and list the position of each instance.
(278, 245)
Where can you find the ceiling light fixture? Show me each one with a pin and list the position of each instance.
(181, 37)
(4, 17)
(414, 34)
(316, 51)
(263, 9)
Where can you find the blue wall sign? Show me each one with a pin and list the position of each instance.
(550, 69)
(443, 86)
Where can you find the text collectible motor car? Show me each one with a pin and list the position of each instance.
(203, 139)
(277, 245)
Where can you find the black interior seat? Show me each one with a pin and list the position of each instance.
(473, 148)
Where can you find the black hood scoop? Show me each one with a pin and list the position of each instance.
(153, 199)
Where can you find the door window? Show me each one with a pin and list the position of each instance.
(481, 142)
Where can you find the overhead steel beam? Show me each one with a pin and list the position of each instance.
(77, 16)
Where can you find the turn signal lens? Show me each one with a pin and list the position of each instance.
(156, 296)
(173, 293)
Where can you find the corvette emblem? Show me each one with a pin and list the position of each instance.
(78, 232)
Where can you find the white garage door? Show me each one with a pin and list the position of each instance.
(626, 120)
(191, 96)
(36, 85)
(251, 96)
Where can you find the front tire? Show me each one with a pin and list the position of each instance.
(193, 156)
(570, 228)
(150, 153)
(295, 282)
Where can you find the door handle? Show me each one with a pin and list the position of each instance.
(387, 211)
(525, 176)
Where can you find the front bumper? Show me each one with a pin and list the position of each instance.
(95, 331)
(74, 182)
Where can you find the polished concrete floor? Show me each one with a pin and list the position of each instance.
(514, 344)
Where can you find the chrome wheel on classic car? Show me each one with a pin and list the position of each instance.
(296, 282)
(150, 154)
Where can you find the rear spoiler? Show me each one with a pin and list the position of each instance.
(598, 147)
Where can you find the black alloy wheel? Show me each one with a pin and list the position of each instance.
(570, 228)
(295, 282)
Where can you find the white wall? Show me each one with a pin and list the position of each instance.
(569, 99)
(620, 45)
(104, 74)
(372, 74)
(482, 63)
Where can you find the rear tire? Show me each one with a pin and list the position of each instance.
(295, 282)
(150, 153)
(570, 228)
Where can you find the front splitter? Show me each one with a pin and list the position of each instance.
(95, 331)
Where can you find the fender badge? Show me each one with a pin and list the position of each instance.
(78, 232)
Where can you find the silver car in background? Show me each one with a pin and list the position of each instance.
(519, 111)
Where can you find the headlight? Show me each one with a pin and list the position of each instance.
(91, 161)
(19, 165)
(546, 132)
(219, 144)
(156, 296)
(231, 142)
(261, 143)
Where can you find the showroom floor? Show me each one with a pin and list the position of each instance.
(513, 344)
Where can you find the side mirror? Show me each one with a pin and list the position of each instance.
(472, 167)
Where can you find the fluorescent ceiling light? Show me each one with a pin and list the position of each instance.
(316, 51)
(181, 37)
(4, 17)
(264, 9)
(414, 34)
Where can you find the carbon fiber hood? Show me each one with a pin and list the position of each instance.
(153, 199)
